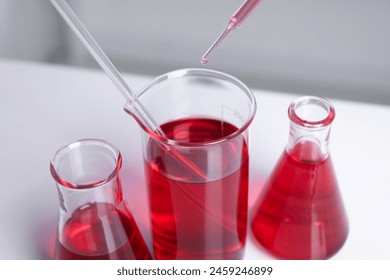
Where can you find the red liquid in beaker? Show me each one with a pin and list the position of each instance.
(192, 220)
(101, 232)
(301, 214)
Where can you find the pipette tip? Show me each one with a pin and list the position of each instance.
(204, 60)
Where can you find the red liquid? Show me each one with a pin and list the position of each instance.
(192, 220)
(301, 213)
(101, 232)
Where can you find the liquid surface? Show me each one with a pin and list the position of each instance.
(300, 213)
(204, 220)
(101, 232)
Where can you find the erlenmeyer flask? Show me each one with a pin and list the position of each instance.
(300, 212)
(94, 222)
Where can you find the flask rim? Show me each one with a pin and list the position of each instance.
(76, 145)
(319, 103)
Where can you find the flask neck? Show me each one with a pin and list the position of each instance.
(87, 172)
(310, 125)
(72, 199)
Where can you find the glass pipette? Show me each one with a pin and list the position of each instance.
(235, 21)
(142, 115)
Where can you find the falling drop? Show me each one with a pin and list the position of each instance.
(204, 60)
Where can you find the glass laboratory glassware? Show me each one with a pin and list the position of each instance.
(94, 221)
(198, 209)
(235, 21)
(300, 212)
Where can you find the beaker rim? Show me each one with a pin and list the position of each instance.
(76, 145)
(321, 103)
(180, 73)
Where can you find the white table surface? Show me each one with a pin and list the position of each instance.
(44, 107)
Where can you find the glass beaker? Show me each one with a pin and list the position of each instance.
(94, 221)
(198, 200)
(300, 213)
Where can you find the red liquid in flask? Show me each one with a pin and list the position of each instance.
(301, 213)
(99, 231)
(192, 220)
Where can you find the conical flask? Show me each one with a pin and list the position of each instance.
(300, 213)
(94, 222)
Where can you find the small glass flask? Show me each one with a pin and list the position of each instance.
(94, 221)
(300, 213)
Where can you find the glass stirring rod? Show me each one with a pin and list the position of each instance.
(236, 20)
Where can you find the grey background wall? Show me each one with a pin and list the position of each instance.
(335, 48)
